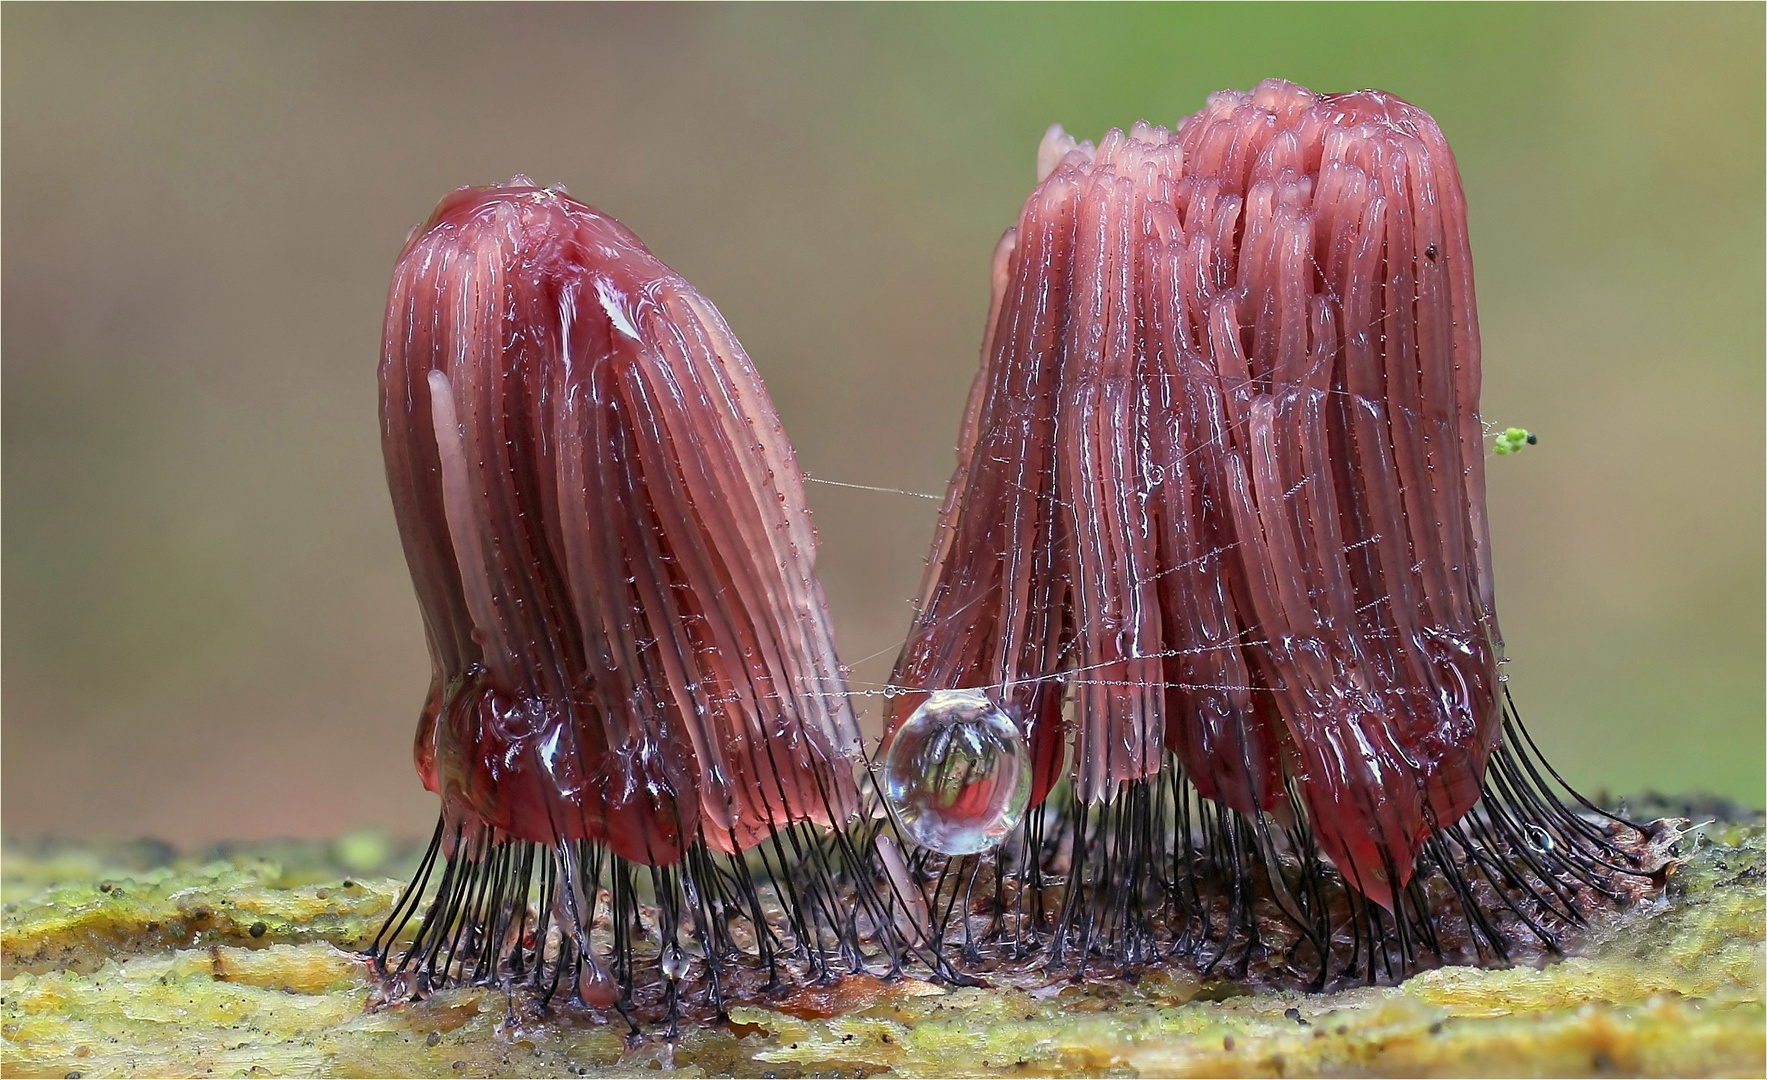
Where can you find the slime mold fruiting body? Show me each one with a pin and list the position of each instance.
(1221, 487)
(609, 540)
(1205, 669)
(634, 676)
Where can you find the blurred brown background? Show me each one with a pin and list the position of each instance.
(208, 628)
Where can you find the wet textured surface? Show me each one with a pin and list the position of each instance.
(1221, 479)
(110, 973)
(609, 540)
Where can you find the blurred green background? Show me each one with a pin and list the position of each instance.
(208, 628)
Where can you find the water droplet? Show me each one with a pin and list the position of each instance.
(957, 773)
(594, 985)
(673, 961)
(1539, 839)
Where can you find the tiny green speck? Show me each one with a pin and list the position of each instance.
(1511, 440)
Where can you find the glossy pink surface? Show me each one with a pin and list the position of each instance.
(608, 536)
(1221, 475)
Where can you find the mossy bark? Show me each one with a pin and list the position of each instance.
(130, 961)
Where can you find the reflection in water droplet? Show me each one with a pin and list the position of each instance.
(673, 961)
(957, 773)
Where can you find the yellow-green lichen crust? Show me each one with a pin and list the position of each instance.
(245, 966)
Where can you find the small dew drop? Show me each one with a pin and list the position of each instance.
(957, 773)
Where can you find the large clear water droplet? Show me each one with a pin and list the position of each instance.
(957, 773)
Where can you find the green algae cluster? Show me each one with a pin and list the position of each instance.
(131, 961)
